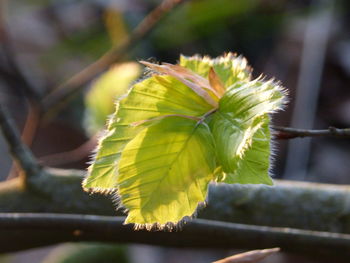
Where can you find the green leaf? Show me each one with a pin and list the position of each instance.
(204, 120)
(254, 167)
(165, 170)
(229, 67)
(240, 119)
(105, 90)
(150, 98)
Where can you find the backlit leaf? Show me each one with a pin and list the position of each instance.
(254, 167)
(241, 118)
(165, 170)
(229, 67)
(181, 128)
(153, 97)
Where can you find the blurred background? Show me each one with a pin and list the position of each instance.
(304, 44)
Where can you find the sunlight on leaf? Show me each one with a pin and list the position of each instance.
(181, 128)
(165, 170)
(229, 67)
(153, 97)
(241, 114)
(254, 167)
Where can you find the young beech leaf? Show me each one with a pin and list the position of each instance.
(165, 170)
(253, 168)
(197, 83)
(186, 125)
(240, 115)
(229, 67)
(150, 98)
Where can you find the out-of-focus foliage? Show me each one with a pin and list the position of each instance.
(198, 19)
(196, 26)
(115, 25)
(5, 259)
(87, 253)
(100, 100)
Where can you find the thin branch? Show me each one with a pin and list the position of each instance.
(71, 156)
(324, 206)
(19, 150)
(28, 133)
(27, 230)
(290, 133)
(53, 102)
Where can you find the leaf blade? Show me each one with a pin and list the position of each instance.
(229, 67)
(240, 129)
(153, 97)
(159, 180)
(254, 167)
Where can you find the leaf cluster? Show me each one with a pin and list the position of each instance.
(203, 120)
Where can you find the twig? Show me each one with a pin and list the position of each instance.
(71, 156)
(53, 101)
(19, 151)
(28, 133)
(324, 206)
(290, 133)
(27, 230)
